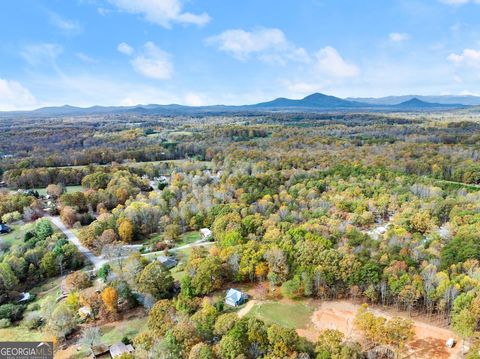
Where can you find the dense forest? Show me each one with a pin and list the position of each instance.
(373, 206)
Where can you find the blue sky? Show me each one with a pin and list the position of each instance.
(197, 52)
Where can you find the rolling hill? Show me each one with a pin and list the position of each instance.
(316, 102)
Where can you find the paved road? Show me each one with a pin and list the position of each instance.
(98, 261)
(95, 260)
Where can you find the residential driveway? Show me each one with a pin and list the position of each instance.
(95, 260)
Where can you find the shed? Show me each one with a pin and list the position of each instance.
(235, 298)
(205, 233)
(120, 348)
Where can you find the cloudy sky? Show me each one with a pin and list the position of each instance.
(196, 52)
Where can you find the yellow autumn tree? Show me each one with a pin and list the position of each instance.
(125, 231)
(110, 298)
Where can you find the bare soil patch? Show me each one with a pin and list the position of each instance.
(244, 311)
(429, 339)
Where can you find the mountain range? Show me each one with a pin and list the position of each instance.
(316, 102)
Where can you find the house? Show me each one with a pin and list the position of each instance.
(4, 229)
(119, 348)
(206, 234)
(168, 262)
(234, 297)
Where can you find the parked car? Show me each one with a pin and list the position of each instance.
(4, 229)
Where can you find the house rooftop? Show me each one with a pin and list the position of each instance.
(120, 348)
(168, 262)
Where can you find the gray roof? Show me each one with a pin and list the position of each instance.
(234, 295)
(168, 262)
(120, 348)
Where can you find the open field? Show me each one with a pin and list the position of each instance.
(20, 333)
(17, 233)
(188, 238)
(138, 164)
(69, 189)
(45, 291)
(114, 332)
(292, 315)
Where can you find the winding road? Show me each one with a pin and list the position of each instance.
(98, 261)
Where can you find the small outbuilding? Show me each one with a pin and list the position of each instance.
(450, 343)
(120, 348)
(234, 297)
(206, 234)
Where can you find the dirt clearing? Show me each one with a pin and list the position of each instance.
(429, 339)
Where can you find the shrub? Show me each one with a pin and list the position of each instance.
(11, 311)
(32, 320)
(11, 217)
(126, 340)
(5, 323)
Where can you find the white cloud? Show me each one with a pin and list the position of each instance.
(13, 96)
(86, 58)
(153, 62)
(66, 25)
(269, 44)
(469, 58)
(125, 48)
(161, 12)
(398, 36)
(460, 2)
(41, 53)
(331, 64)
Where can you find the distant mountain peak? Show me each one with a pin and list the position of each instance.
(416, 103)
(315, 100)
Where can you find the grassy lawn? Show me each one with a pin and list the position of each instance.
(295, 315)
(22, 334)
(74, 189)
(49, 289)
(188, 238)
(178, 274)
(17, 233)
(69, 189)
(180, 133)
(114, 332)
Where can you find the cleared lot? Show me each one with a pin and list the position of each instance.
(429, 339)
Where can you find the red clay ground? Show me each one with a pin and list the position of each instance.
(429, 339)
